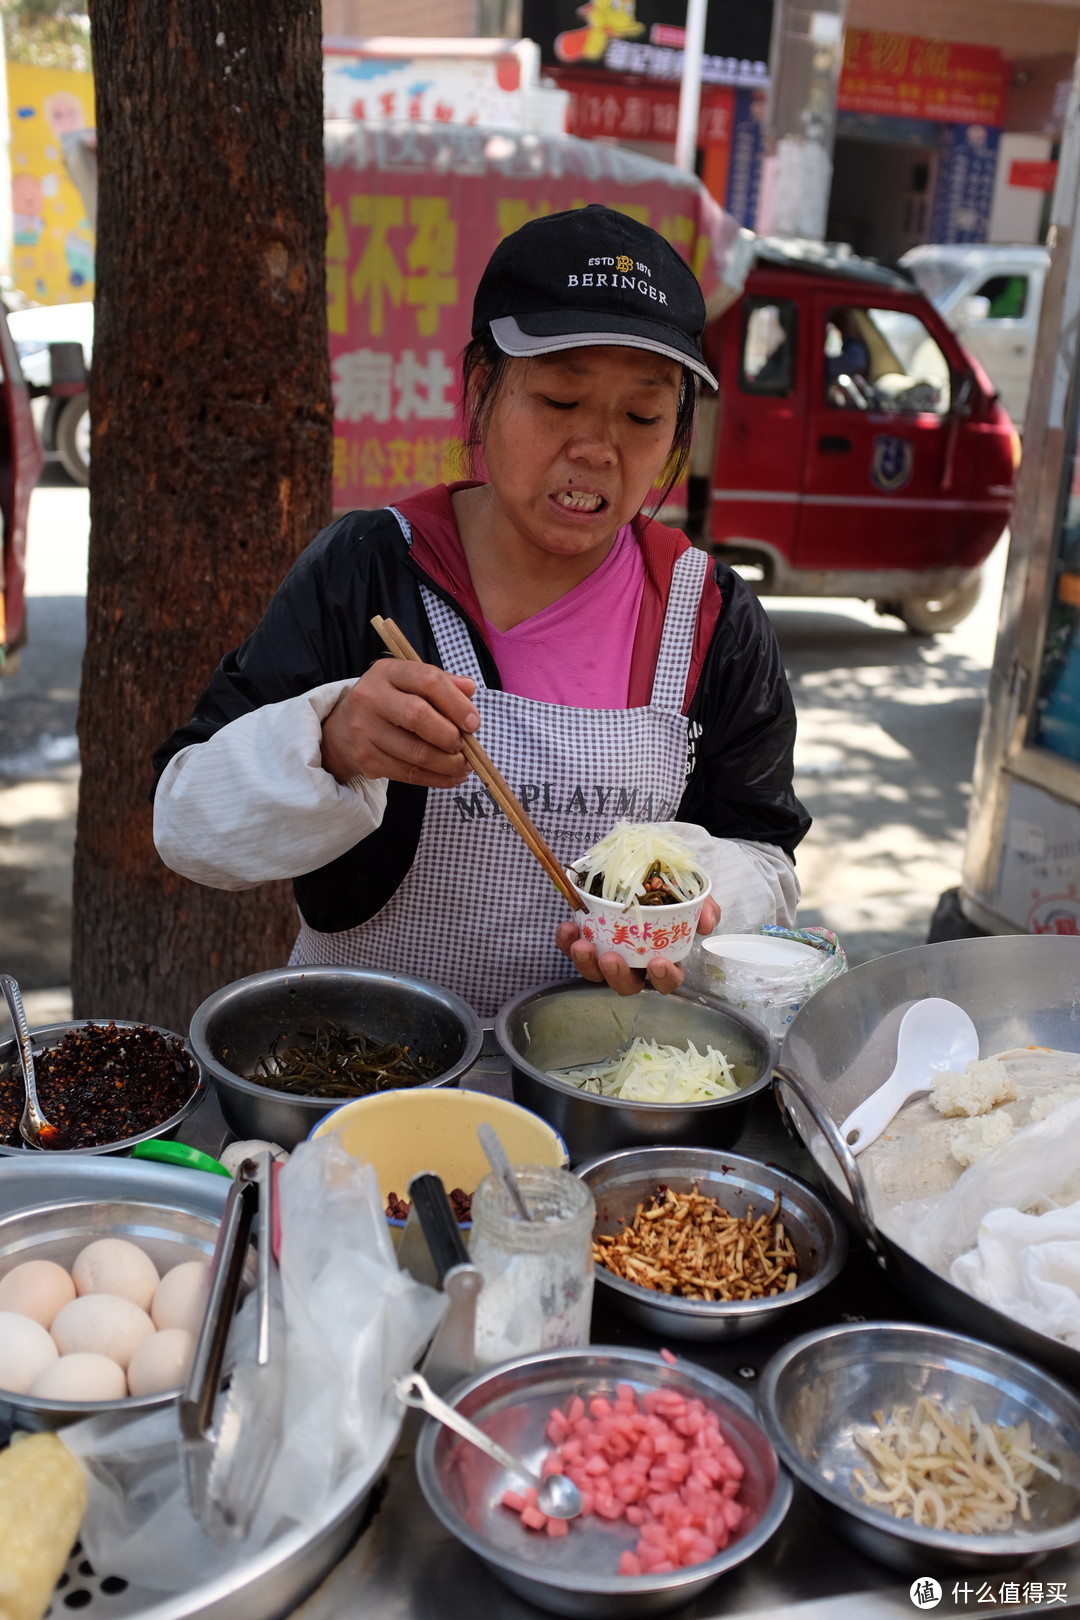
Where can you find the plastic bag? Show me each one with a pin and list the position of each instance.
(354, 1322)
(771, 992)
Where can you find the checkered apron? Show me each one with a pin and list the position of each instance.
(475, 912)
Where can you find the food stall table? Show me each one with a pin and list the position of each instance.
(406, 1566)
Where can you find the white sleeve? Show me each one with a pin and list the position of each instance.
(751, 883)
(253, 802)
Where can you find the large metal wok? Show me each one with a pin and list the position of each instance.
(1020, 990)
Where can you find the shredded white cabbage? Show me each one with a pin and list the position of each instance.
(652, 1072)
(627, 853)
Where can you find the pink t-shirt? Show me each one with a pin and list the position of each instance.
(577, 651)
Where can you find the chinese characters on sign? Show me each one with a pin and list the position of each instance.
(899, 76)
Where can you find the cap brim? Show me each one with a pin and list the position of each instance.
(526, 336)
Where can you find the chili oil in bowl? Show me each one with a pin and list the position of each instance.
(106, 1084)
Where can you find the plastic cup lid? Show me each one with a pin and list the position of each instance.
(761, 950)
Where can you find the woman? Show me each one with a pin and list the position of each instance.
(607, 668)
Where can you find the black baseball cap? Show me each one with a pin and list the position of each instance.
(591, 276)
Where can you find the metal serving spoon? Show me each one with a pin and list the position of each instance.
(495, 1154)
(556, 1495)
(34, 1128)
(934, 1035)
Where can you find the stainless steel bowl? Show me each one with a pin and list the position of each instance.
(559, 1025)
(817, 1390)
(1020, 990)
(235, 1026)
(167, 1233)
(575, 1575)
(52, 1034)
(621, 1181)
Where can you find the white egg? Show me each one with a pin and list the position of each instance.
(81, 1377)
(114, 1266)
(38, 1289)
(25, 1348)
(104, 1325)
(162, 1362)
(180, 1301)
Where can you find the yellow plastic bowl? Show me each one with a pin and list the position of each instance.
(402, 1133)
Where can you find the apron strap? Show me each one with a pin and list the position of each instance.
(456, 651)
(680, 621)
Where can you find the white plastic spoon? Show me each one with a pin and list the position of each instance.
(934, 1036)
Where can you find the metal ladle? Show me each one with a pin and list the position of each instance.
(556, 1495)
(495, 1154)
(34, 1128)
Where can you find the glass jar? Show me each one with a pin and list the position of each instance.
(538, 1274)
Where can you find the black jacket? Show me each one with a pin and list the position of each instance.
(316, 629)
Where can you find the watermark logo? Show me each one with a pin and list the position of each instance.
(925, 1593)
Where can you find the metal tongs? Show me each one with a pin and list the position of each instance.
(229, 1440)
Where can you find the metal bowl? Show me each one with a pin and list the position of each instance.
(1020, 990)
(621, 1181)
(236, 1025)
(576, 1574)
(559, 1025)
(817, 1390)
(52, 1034)
(167, 1233)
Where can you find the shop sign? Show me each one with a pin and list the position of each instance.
(414, 214)
(645, 37)
(901, 76)
(379, 89)
(964, 187)
(53, 251)
(1030, 175)
(747, 153)
(606, 108)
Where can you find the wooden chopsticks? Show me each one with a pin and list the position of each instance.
(491, 776)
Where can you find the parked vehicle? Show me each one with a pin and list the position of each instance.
(859, 450)
(20, 467)
(63, 418)
(990, 295)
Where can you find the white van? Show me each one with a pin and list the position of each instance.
(990, 295)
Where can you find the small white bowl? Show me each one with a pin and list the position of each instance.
(639, 933)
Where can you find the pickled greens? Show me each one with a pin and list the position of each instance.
(653, 1072)
(642, 863)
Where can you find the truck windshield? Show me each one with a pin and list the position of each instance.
(936, 277)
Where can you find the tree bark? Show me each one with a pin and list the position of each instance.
(211, 449)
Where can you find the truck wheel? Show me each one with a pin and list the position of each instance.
(73, 438)
(927, 615)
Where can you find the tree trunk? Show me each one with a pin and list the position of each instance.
(211, 449)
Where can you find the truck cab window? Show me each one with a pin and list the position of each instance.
(883, 360)
(768, 347)
(1007, 297)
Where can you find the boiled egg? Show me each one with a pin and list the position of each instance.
(103, 1325)
(180, 1301)
(25, 1349)
(38, 1289)
(162, 1362)
(114, 1266)
(80, 1377)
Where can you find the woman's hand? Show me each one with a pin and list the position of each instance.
(610, 968)
(403, 721)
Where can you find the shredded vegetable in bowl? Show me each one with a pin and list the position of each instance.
(948, 1473)
(640, 863)
(652, 1072)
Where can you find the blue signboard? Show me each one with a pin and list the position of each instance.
(964, 188)
(747, 148)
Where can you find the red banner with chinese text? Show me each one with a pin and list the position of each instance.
(414, 213)
(641, 112)
(900, 76)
